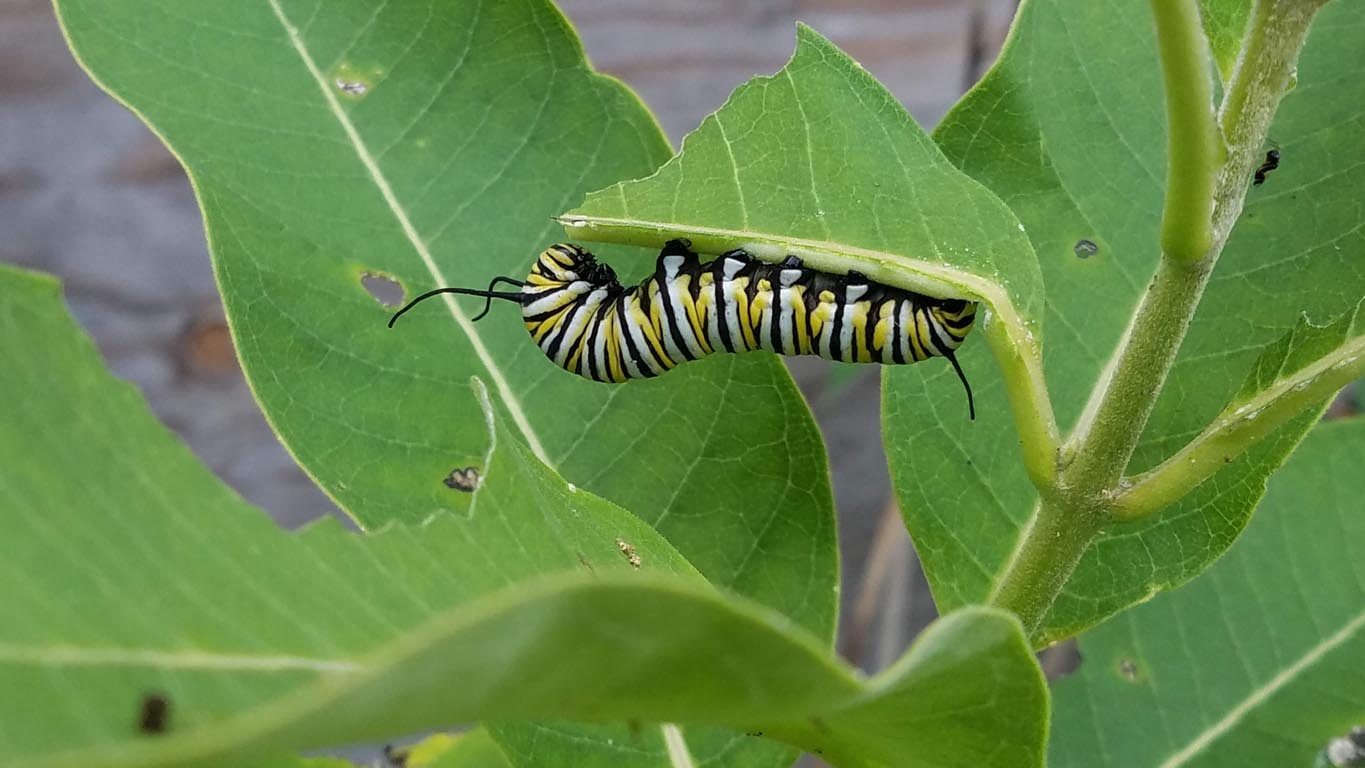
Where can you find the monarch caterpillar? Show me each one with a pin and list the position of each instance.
(587, 323)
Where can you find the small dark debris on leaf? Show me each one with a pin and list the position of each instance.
(1128, 669)
(753, 733)
(1272, 161)
(629, 552)
(466, 479)
(1086, 248)
(154, 713)
(583, 560)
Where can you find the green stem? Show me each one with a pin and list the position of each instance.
(1194, 146)
(1047, 554)
(1239, 427)
(1021, 369)
(1108, 431)
(1093, 460)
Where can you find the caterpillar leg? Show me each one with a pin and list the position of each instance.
(792, 262)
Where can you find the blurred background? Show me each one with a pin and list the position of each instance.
(89, 194)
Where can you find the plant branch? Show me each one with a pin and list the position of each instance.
(1194, 147)
(1021, 369)
(1108, 431)
(1094, 459)
(1049, 550)
(1239, 427)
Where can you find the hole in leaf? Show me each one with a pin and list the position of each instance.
(352, 87)
(1086, 248)
(1128, 669)
(1060, 660)
(466, 479)
(1347, 751)
(384, 289)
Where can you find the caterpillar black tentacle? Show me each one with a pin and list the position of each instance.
(584, 320)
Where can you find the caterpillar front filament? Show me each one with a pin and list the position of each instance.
(588, 323)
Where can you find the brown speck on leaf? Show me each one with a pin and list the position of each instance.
(629, 552)
(153, 713)
(463, 479)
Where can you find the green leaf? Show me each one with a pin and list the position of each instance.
(1300, 371)
(1296, 357)
(305, 187)
(1067, 129)
(1257, 662)
(328, 141)
(1225, 24)
(128, 569)
(820, 161)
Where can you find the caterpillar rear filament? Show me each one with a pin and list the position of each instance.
(588, 323)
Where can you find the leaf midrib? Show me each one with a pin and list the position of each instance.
(1255, 698)
(509, 398)
(678, 753)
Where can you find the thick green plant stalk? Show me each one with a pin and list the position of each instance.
(1095, 457)
(1194, 149)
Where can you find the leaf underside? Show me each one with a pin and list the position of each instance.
(1255, 663)
(430, 144)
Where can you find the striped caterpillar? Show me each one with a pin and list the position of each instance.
(584, 320)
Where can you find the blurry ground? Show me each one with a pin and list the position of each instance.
(87, 193)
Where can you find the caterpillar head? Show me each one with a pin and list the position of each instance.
(567, 263)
